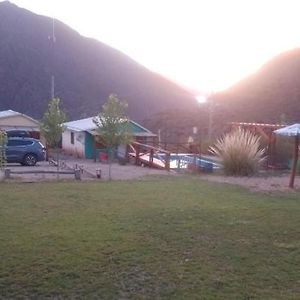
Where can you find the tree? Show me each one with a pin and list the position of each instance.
(52, 126)
(52, 123)
(113, 125)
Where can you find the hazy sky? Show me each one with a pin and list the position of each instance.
(207, 45)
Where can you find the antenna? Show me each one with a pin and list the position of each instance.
(52, 76)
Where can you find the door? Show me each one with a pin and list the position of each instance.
(15, 150)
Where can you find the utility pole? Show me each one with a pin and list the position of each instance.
(53, 49)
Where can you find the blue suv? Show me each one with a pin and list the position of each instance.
(26, 151)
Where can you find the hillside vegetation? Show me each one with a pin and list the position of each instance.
(270, 95)
(86, 71)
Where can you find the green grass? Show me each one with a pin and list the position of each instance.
(157, 239)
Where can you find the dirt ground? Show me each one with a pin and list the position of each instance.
(264, 182)
(89, 170)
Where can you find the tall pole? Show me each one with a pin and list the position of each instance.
(53, 86)
(295, 161)
(52, 76)
(210, 118)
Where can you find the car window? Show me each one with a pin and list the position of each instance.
(11, 143)
(18, 143)
(17, 133)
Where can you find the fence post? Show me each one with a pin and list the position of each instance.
(168, 161)
(137, 156)
(151, 158)
(98, 173)
(6, 173)
(77, 174)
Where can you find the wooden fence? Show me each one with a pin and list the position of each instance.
(76, 172)
(150, 155)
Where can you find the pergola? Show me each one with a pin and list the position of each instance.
(266, 131)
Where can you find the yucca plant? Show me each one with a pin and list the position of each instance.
(240, 152)
(3, 141)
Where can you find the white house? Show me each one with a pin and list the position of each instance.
(78, 139)
(12, 120)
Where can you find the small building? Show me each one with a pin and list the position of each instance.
(80, 137)
(12, 120)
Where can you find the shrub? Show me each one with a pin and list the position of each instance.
(3, 141)
(240, 152)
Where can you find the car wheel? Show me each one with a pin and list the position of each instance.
(29, 159)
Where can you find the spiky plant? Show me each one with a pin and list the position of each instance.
(3, 141)
(240, 152)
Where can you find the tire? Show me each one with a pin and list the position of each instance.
(29, 160)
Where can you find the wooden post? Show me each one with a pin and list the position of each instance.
(295, 161)
(77, 174)
(151, 158)
(167, 165)
(6, 173)
(178, 163)
(195, 161)
(137, 155)
(98, 173)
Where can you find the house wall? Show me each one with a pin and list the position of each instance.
(77, 149)
(18, 121)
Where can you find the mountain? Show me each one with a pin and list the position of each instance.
(270, 95)
(86, 71)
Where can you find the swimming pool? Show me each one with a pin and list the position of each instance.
(182, 160)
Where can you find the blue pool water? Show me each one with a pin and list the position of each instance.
(181, 161)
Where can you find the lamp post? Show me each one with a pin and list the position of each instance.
(207, 101)
(211, 106)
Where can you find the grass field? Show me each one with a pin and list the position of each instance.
(177, 238)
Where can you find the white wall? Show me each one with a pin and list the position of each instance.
(76, 149)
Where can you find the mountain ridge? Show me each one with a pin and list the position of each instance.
(268, 96)
(86, 71)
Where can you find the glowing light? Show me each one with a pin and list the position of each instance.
(201, 99)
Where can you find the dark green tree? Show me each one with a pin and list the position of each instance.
(113, 126)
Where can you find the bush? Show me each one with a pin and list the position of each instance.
(3, 141)
(240, 152)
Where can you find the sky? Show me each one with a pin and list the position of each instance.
(206, 45)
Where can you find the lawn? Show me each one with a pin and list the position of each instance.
(179, 238)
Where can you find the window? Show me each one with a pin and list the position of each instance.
(18, 143)
(72, 138)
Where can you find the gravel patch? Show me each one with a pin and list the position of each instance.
(88, 168)
(266, 183)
